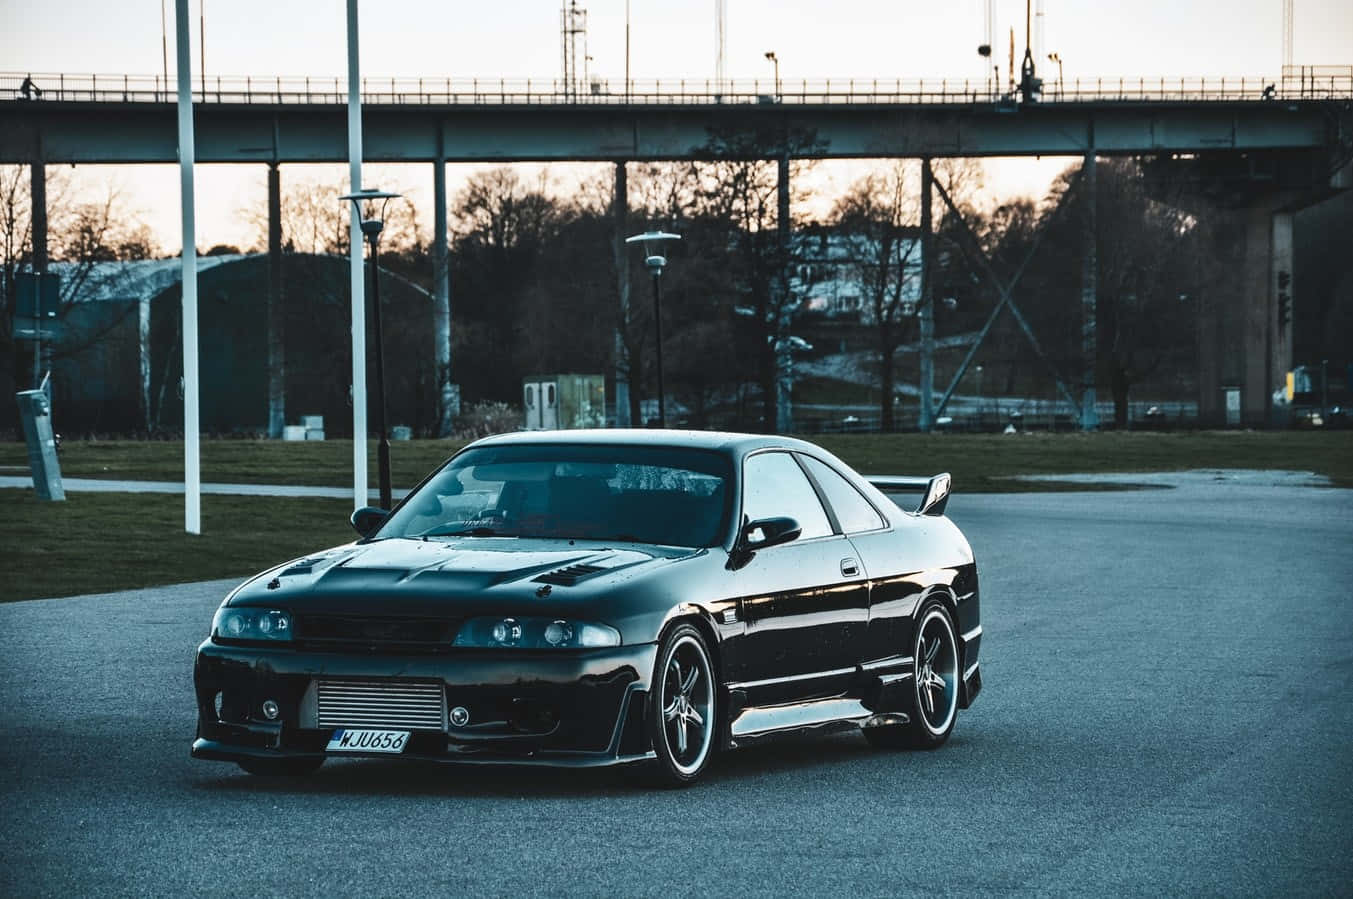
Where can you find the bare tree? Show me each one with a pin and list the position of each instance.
(316, 222)
(738, 194)
(80, 234)
(1151, 257)
(875, 221)
(500, 227)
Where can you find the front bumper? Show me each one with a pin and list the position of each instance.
(572, 709)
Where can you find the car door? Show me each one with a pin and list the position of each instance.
(804, 604)
(889, 559)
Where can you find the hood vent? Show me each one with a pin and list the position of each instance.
(313, 564)
(305, 566)
(570, 575)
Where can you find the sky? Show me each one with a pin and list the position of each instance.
(813, 39)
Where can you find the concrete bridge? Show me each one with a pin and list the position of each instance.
(131, 119)
(1289, 140)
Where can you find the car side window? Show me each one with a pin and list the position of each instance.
(774, 486)
(853, 511)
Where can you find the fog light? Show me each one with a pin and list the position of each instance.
(530, 717)
(270, 710)
(218, 703)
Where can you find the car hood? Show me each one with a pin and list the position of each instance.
(474, 575)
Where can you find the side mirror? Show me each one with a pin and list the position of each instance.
(936, 495)
(366, 521)
(767, 532)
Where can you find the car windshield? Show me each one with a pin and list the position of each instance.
(643, 494)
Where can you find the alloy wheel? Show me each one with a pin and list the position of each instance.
(687, 704)
(936, 672)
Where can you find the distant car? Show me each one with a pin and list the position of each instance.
(597, 598)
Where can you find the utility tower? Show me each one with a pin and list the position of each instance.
(1038, 44)
(572, 26)
(986, 50)
(721, 46)
(1287, 35)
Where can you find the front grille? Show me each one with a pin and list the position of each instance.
(415, 705)
(375, 634)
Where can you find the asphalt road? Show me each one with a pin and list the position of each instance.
(1166, 709)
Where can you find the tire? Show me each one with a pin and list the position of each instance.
(681, 717)
(932, 703)
(281, 767)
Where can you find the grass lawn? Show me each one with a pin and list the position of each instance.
(979, 462)
(834, 391)
(983, 463)
(324, 463)
(98, 542)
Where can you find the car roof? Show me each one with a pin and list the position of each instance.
(720, 441)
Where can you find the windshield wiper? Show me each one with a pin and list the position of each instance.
(480, 531)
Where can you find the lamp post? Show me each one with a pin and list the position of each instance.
(1055, 57)
(770, 54)
(980, 402)
(984, 51)
(653, 258)
(372, 223)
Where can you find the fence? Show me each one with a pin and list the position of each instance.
(1296, 83)
(993, 414)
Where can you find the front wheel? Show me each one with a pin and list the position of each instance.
(933, 700)
(681, 709)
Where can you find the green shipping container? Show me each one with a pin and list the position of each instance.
(564, 401)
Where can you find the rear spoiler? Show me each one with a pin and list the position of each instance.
(936, 489)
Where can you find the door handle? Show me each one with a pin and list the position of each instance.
(850, 568)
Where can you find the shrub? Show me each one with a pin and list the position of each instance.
(485, 419)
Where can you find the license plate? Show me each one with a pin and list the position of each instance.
(348, 740)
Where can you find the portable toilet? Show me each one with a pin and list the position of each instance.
(564, 401)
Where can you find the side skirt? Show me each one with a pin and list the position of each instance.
(821, 715)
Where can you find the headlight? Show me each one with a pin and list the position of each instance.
(251, 624)
(535, 633)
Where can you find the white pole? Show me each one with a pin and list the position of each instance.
(1038, 33)
(359, 485)
(192, 474)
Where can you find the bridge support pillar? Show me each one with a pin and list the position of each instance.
(1245, 348)
(1244, 356)
(624, 414)
(784, 353)
(277, 373)
(38, 188)
(1089, 412)
(926, 310)
(38, 218)
(448, 395)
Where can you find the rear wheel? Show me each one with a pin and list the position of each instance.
(281, 767)
(681, 709)
(933, 700)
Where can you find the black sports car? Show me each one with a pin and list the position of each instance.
(599, 598)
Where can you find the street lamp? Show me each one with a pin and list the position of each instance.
(984, 51)
(980, 402)
(770, 54)
(370, 205)
(653, 258)
(1054, 57)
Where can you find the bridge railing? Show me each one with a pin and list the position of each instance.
(1296, 83)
